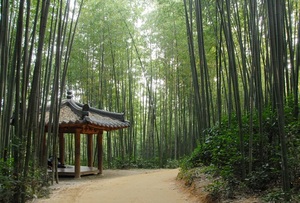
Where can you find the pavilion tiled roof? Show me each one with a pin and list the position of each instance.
(74, 113)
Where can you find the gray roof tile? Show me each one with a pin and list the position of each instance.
(72, 112)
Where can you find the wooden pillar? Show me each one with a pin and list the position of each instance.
(77, 154)
(90, 150)
(100, 152)
(62, 148)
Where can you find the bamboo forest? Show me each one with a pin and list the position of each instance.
(206, 85)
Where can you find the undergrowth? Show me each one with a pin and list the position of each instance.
(221, 154)
(9, 184)
(153, 163)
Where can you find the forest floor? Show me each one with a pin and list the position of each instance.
(132, 186)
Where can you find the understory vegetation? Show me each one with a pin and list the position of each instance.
(31, 187)
(119, 163)
(219, 157)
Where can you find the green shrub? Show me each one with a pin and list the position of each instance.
(7, 183)
(216, 189)
(127, 163)
(275, 196)
(188, 176)
(31, 186)
(172, 163)
(221, 149)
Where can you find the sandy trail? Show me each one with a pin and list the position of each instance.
(126, 186)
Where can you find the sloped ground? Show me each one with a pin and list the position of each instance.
(197, 183)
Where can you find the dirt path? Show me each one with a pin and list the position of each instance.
(126, 186)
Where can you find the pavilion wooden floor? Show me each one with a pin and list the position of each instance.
(70, 171)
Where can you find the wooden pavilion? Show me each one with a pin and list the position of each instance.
(81, 119)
